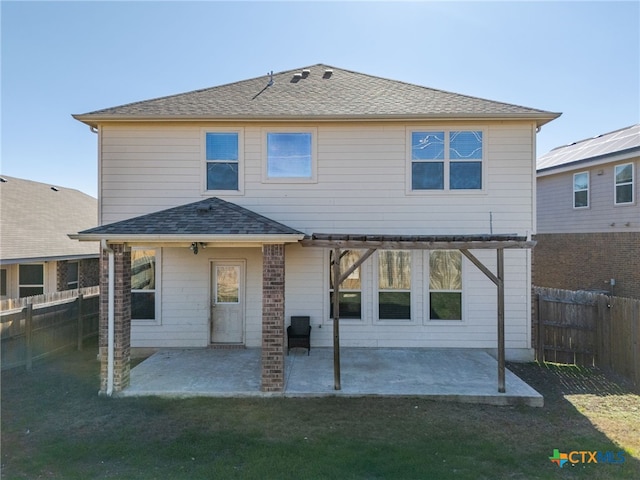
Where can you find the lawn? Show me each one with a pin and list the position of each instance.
(54, 425)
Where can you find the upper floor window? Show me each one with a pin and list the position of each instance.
(445, 285)
(624, 184)
(31, 279)
(143, 284)
(290, 156)
(581, 190)
(222, 161)
(394, 285)
(446, 160)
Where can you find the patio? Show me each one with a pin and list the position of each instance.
(463, 375)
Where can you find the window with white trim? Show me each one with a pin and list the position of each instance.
(581, 190)
(289, 156)
(350, 288)
(624, 184)
(30, 279)
(446, 160)
(144, 281)
(73, 272)
(223, 161)
(394, 284)
(445, 285)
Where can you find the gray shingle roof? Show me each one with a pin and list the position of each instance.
(35, 219)
(317, 92)
(596, 148)
(210, 217)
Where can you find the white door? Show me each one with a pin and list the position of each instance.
(227, 302)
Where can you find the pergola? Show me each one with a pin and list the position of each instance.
(463, 243)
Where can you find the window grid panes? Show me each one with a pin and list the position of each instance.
(350, 289)
(445, 285)
(143, 284)
(446, 160)
(289, 155)
(581, 190)
(624, 184)
(222, 159)
(31, 280)
(394, 285)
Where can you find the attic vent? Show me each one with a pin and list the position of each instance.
(55, 189)
(204, 208)
(327, 73)
(3, 180)
(305, 73)
(296, 77)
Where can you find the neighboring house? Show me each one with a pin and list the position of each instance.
(222, 209)
(36, 255)
(588, 230)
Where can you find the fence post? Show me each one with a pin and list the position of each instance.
(28, 334)
(80, 323)
(540, 328)
(635, 318)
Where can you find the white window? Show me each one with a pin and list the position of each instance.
(144, 284)
(624, 184)
(289, 156)
(581, 190)
(30, 279)
(350, 289)
(445, 160)
(445, 285)
(72, 275)
(394, 285)
(223, 161)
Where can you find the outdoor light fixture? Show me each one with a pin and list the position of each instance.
(196, 245)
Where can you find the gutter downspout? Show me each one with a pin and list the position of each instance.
(110, 317)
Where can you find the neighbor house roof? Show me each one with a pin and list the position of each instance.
(212, 219)
(36, 218)
(316, 92)
(613, 146)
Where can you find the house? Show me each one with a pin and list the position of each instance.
(222, 211)
(36, 255)
(589, 215)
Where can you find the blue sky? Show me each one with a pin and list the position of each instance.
(61, 58)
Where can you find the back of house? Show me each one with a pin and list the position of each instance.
(228, 205)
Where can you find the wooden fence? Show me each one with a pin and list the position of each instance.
(588, 329)
(35, 327)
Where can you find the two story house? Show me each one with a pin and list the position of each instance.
(318, 192)
(589, 215)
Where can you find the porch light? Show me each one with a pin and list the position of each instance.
(197, 245)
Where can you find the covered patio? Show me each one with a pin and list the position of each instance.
(464, 375)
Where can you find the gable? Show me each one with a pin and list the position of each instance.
(315, 92)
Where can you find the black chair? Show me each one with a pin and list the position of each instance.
(299, 334)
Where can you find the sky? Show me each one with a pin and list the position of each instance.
(63, 58)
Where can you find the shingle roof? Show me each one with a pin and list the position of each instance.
(596, 148)
(35, 219)
(211, 217)
(319, 91)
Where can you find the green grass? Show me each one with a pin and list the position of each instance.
(54, 425)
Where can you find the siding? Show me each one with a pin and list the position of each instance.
(555, 203)
(361, 180)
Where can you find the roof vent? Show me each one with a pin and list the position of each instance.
(327, 73)
(305, 73)
(296, 77)
(55, 189)
(3, 180)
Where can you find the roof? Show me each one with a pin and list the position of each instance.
(619, 142)
(35, 219)
(316, 92)
(210, 219)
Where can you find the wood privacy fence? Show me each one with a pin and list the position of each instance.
(588, 329)
(36, 327)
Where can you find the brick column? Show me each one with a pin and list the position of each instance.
(122, 318)
(272, 318)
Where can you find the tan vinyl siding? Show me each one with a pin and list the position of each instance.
(555, 203)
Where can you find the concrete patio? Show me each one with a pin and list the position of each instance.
(463, 375)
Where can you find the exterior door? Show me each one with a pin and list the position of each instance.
(227, 302)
